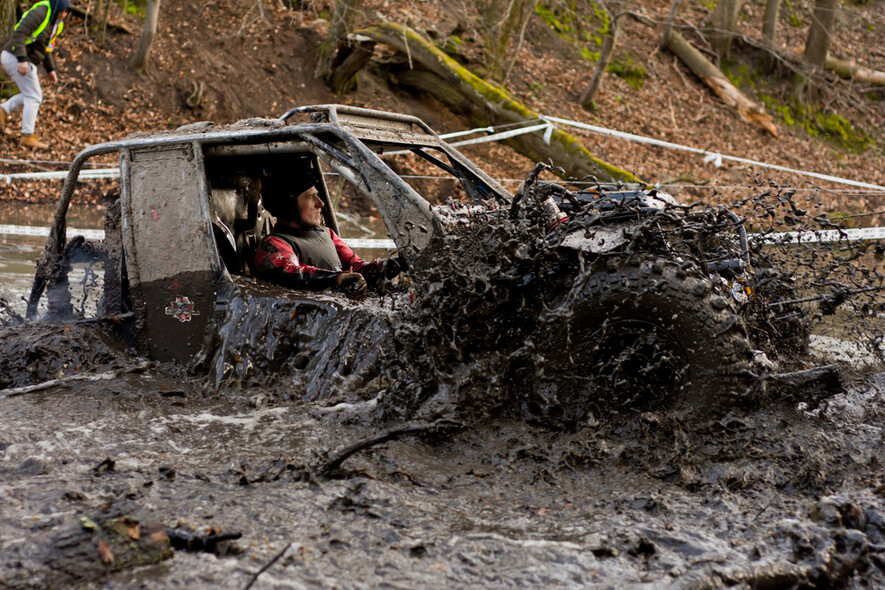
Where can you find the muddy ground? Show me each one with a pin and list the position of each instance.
(119, 472)
(93, 473)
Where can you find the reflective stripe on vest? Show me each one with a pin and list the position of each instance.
(42, 26)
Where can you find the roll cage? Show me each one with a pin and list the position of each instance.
(188, 167)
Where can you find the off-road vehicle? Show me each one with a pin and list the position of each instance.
(627, 299)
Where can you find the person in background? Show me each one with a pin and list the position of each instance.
(301, 253)
(31, 44)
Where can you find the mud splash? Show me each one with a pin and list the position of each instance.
(515, 320)
(785, 492)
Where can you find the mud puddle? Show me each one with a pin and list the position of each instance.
(779, 497)
(124, 473)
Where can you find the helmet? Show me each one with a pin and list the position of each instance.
(279, 193)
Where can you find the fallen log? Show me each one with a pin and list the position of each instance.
(851, 70)
(710, 75)
(486, 104)
(107, 376)
(114, 25)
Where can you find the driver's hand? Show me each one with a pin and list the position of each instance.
(392, 267)
(352, 284)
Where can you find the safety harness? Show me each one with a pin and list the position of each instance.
(55, 33)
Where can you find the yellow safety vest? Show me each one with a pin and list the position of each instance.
(42, 26)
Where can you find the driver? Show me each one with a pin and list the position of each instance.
(300, 252)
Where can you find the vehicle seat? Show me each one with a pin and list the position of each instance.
(239, 222)
(229, 211)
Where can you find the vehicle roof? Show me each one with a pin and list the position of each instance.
(368, 125)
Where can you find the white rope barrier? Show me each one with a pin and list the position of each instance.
(780, 238)
(709, 156)
(98, 234)
(42, 232)
(48, 162)
(548, 126)
(377, 243)
(494, 137)
(84, 175)
(467, 132)
(821, 236)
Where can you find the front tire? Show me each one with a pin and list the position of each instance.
(641, 335)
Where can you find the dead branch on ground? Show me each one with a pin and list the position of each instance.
(334, 462)
(851, 70)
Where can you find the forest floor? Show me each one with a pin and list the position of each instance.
(258, 59)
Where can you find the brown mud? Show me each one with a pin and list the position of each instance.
(777, 497)
(132, 474)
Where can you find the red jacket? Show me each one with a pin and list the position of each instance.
(277, 261)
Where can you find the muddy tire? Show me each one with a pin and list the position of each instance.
(648, 335)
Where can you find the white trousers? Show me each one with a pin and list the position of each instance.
(29, 96)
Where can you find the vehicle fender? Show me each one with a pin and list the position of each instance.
(599, 240)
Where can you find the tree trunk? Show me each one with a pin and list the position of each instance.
(7, 17)
(850, 70)
(335, 49)
(608, 45)
(352, 57)
(719, 84)
(816, 46)
(669, 26)
(723, 25)
(769, 35)
(485, 104)
(98, 19)
(529, 8)
(500, 19)
(141, 58)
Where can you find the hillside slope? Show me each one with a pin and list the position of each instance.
(251, 58)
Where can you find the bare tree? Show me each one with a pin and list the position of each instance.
(529, 8)
(7, 17)
(769, 34)
(665, 36)
(339, 57)
(723, 25)
(608, 46)
(97, 18)
(141, 57)
(500, 20)
(816, 46)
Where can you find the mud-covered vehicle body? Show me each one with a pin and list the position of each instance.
(635, 296)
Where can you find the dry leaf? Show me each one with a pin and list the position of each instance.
(104, 552)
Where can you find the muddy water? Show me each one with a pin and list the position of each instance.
(773, 498)
(784, 494)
